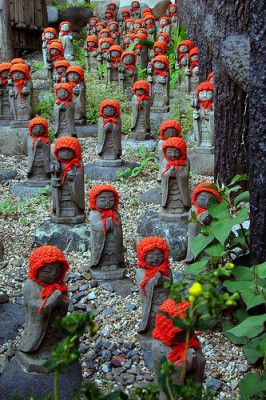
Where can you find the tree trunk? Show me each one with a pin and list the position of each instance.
(6, 49)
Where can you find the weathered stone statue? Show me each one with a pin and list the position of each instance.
(141, 50)
(135, 11)
(64, 110)
(203, 117)
(113, 58)
(149, 21)
(109, 133)
(159, 49)
(75, 77)
(169, 342)
(107, 252)
(158, 77)
(153, 272)
(125, 14)
(200, 199)
(128, 40)
(21, 94)
(45, 299)
(112, 6)
(109, 15)
(67, 182)
(103, 51)
(168, 129)
(129, 26)
(175, 181)
(210, 77)
(114, 30)
(165, 25)
(59, 73)
(104, 33)
(91, 52)
(137, 24)
(172, 14)
(164, 37)
(5, 112)
(182, 54)
(99, 26)
(38, 152)
(127, 72)
(55, 53)
(91, 26)
(192, 72)
(141, 104)
(48, 35)
(66, 37)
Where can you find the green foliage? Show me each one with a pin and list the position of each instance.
(45, 107)
(79, 52)
(36, 66)
(63, 7)
(182, 111)
(176, 37)
(8, 207)
(253, 386)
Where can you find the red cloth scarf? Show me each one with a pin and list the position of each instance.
(4, 80)
(63, 33)
(150, 272)
(92, 48)
(193, 65)
(66, 102)
(177, 354)
(48, 290)
(68, 166)
(130, 67)
(42, 139)
(115, 61)
(20, 84)
(161, 72)
(176, 164)
(109, 119)
(105, 214)
(74, 84)
(206, 104)
(149, 26)
(142, 97)
(58, 57)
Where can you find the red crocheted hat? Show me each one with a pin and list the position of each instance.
(61, 63)
(21, 68)
(194, 52)
(112, 3)
(96, 190)
(187, 43)
(93, 19)
(204, 86)
(141, 31)
(57, 45)
(138, 21)
(66, 22)
(125, 11)
(129, 35)
(148, 244)
(38, 121)
(165, 35)
(162, 45)
(129, 20)
(178, 143)
(210, 76)
(105, 30)
(107, 40)
(146, 11)
(113, 23)
(148, 16)
(129, 53)
(92, 38)
(50, 30)
(171, 5)
(137, 5)
(77, 69)
(110, 102)
(67, 87)
(46, 255)
(170, 124)
(167, 19)
(140, 36)
(116, 47)
(163, 59)
(5, 67)
(109, 12)
(101, 24)
(68, 142)
(203, 187)
(17, 61)
(141, 85)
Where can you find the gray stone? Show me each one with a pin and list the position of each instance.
(150, 144)
(15, 380)
(84, 131)
(152, 196)
(18, 144)
(105, 368)
(107, 286)
(25, 190)
(66, 237)
(78, 16)
(98, 173)
(214, 384)
(148, 360)
(202, 164)
(131, 307)
(7, 174)
(92, 296)
(11, 319)
(53, 14)
(39, 74)
(150, 224)
(157, 120)
(3, 297)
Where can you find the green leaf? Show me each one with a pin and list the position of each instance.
(241, 314)
(215, 250)
(242, 216)
(250, 327)
(238, 178)
(261, 270)
(200, 242)
(226, 325)
(243, 273)
(241, 197)
(256, 301)
(255, 348)
(253, 384)
(197, 267)
(222, 230)
(218, 210)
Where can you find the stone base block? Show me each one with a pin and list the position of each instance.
(15, 381)
(108, 163)
(150, 144)
(79, 219)
(174, 217)
(99, 275)
(27, 189)
(152, 196)
(19, 124)
(157, 119)
(18, 144)
(7, 174)
(201, 163)
(7, 118)
(175, 233)
(66, 237)
(11, 319)
(100, 173)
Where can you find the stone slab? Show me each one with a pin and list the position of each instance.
(121, 287)
(66, 237)
(15, 381)
(150, 144)
(89, 130)
(150, 224)
(11, 319)
(201, 163)
(98, 173)
(25, 190)
(152, 196)
(7, 174)
(157, 118)
(18, 144)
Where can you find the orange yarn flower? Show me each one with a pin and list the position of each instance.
(78, 70)
(166, 37)
(116, 60)
(4, 67)
(68, 142)
(163, 59)
(148, 244)
(163, 24)
(64, 33)
(17, 61)
(162, 46)
(170, 124)
(39, 258)
(94, 39)
(112, 103)
(44, 123)
(203, 187)
(206, 104)
(187, 43)
(141, 85)
(58, 46)
(20, 83)
(179, 144)
(68, 88)
(131, 67)
(105, 214)
(210, 76)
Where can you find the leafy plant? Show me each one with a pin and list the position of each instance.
(63, 7)
(36, 66)
(177, 36)
(45, 107)
(253, 386)
(79, 52)
(8, 207)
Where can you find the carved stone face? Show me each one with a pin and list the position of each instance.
(135, 4)
(115, 54)
(55, 52)
(183, 48)
(136, 25)
(129, 24)
(170, 132)
(108, 15)
(109, 111)
(50, 273)
(93, 22)
(154, 257)
(205, 95)
(103, 35)
(66, 154)
(163, 21)
(157, 49)
(128, 59)
(140, 92)
(61, 70)
(161, 39)
(65, 27)
(126, 15)
(111, 7)
(149, 21)
(62, 94)
(195, 58)
(38, 130)
(105, 200)
(203, 198)
(105, 45)
(17, 75)
(73, 77)
(173, 153)
(49, 35)
(4, 74)
(195, 70)
(91, 44)
(159, 65)
(113, 27)
(99, 28)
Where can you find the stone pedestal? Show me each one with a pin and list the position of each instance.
(100, 275)
(11, 319)
(202, 163)
(174, 217)
(18, 144)
(157, 119)
(19, 124)
(25, 190)
(96, 171)
(152, 196)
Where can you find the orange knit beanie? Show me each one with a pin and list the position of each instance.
(68, 142)
(179, 144)
(68, 88)
(170, 124)
(78, 70)
(4, 67)
(166, 36)
(17, 61)
(162, 46)
(112, 103)
(61, 63)
(69, 27)
(38, 121)
(203, 187)
(206, 104)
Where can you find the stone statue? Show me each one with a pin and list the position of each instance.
(201, 195)
(150, 25)
(172, 14)
(99, 26)
(153, 272)
(113, 58)
(141, 50)
(164, 37)
(66, 37)
(75, 77)
(210, 77)
(175, 181)
(48, 35)
(109, 15)
(137, 24)
(135, 11)
(55, 53)
(129, 25)
(107, 252)
(112, 6)
(91, 52)
(127, 72)
(104, 33)
(128, 40)
(141, 104)
(38, 152)
(168, 129)
(165, 25)
(141, 31)
(158, 77)
(109, 133)
(169, 342)
(192, 71)
(21, 93)
(5, 111)
(182, 54)
(91, 26)
(67, 182)
(64, 110)
(103, 51)
(59, 73)
(125, 14)
(114, 30)
(45, 299)
(159, 49)
(203, 117)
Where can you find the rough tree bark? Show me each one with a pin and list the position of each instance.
(6, 49)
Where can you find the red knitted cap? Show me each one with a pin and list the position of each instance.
(187, 43)
(210, 76)
(170, 124)
(141, 85)
(77, 69)
(162, 45)
(203, 187)
(194, 51)
(116, 47)
(167, 19)
(129, 53)
(113, 23)
(178, 143)
(101, 23)
(50, 30)
(39, 121)
(166, 36)
(109, 12)
(148, 244)
(125, 11)
(140, 36)
(112, 3)
(61, 63)
(204, 86)
(57, 45)
(107, 40)
(93, 19)
(138, 21)
(171, 5)
(105, 30)
(92, 38)
(17, 61)
(146, 10)
(148, 16)
(110, 102)
(96, 190)
(67, 87)
(21, 68)
(68, 142)
(163, 59)
(5, 67)
(66, 22)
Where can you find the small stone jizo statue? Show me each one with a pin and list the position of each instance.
(159, 81)
(48, 35)
(113, 58)
(66, 37)
(127, 71)
(59, 74)
(192, 72)
(165, 25)
(75, 77)
(168, 128)
(64, 110)
(141, 107)
(5, 112)
(91, 52)
(135, 10)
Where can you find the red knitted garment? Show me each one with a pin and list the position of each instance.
(113, 103)
(162, 46)
(105, 30)
(141, 85)
(68, 142)
(187, 43)
(38, 259)
(125, 13)
(109, 15)
(181, 145)
(170, 124)
(131, 67)
(17, 61)
(146, 11)
(206, 104)
(106, 40)
(116, 60)
(135, 7)
(149, 16)
(4, 67)
(44, 123)
(56, 45)
(101, 25)
(165, 35)
(210, 76)
(193, 52)
(21, 82)
(111, 4)
(68, 88)
(172, 13)
(148, 244)
(203, 187)
(78, 70)
(91, 20)
(163, 59)
(69, 28)
(50, 30)
(115, 23)
(94, 39)
(61, 63)
(105, 214)
(163, 24)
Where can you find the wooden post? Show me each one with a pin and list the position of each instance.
(6, 48)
